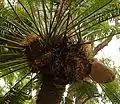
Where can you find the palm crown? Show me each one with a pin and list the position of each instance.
(43, 45)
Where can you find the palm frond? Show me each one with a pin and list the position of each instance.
(17, 93)
(82, 91)
(111, 90)
(32, 31)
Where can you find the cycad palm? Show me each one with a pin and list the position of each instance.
(41, 46)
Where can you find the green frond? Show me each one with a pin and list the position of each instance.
(19, 93)
(83, 91)
(41, 25)
(111, 90)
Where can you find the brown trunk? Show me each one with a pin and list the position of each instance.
(49, 93)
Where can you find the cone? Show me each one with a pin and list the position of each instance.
(101, 73)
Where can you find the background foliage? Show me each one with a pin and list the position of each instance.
(79, 19)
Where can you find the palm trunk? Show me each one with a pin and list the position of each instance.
(49, 93)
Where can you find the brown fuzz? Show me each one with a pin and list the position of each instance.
(62, 61)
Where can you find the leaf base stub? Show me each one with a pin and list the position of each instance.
(64, 62)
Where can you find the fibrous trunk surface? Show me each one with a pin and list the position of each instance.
(49, 93)
(63, 60)
(60, 62)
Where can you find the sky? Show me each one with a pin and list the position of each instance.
(111, 51)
